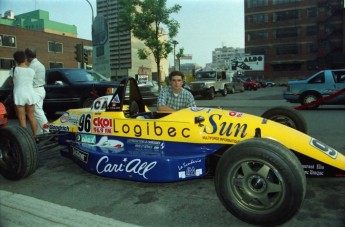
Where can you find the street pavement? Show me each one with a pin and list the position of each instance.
(62, 194)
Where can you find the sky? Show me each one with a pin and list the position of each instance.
(204, 24)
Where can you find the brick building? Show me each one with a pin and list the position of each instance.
(54, 51)
(297, 37)
(54, 41)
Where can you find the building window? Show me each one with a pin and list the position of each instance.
(258, 18)
(313, 48)
(262, 50)
(256, 3)
(286, 49)
(53, 65)
(6, 63)
(312, 30)
(286, 33)
(278, 2)
(286, 15)
(54, 47)
(7, 40)
(258, 35)
(287, 67)
(312, 12)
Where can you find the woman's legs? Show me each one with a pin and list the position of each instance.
(20, 111)
(30, 109)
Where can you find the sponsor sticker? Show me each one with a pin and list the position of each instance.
(81, 155)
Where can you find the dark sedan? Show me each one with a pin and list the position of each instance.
(74, 88)
(70, 88)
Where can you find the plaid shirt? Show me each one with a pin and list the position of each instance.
(182, 100)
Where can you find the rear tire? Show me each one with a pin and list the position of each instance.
(225, 91)
(310, 97)
(260, 182)
(18, 153)
(211, 94)
(286, 116)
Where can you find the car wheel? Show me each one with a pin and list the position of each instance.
(87, 102)
(225, 91)
(249, 88)
(310, 97)
(261, 182)
(286, 116)
(211, 94)
(232, 90)
(18, 153)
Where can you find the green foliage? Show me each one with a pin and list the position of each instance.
(149, 21)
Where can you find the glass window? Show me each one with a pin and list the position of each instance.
(258, 35)
(53, 65)
(54, 47)
(258, 18)
(320, 78)
(6, 63)
(286, 15)
(286, 49)
(7, 40)
(256, 3)
(312, 12)
(312, 30)
(286, 32)
(278, 2)
(313, 48)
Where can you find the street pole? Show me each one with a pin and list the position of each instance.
(91, 11)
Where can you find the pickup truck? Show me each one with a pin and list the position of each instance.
(208, 83)
(320, 85)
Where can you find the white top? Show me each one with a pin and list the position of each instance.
(23, 91)
(40, 72)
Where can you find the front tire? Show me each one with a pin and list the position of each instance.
(286, 116)
(260, 182)
(18, 153)
(211, 94)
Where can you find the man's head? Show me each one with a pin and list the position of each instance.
(176, 80)
(30, 54)
(19, 56)
(176, 73)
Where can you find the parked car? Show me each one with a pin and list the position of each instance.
(149, 91)
(249, 84)
(319, 85)
(69, 88)
(270, 84)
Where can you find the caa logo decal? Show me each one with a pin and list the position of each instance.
(196, 109)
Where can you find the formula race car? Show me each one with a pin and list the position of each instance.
(259, 163)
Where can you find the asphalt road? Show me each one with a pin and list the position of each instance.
(70, 192)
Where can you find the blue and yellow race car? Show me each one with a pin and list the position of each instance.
(259, 163)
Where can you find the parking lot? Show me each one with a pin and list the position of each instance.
(61, 186)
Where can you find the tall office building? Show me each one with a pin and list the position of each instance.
(297, 37)
(115, 52)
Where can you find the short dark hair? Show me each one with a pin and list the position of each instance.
(30, 53)
(176, 73)
(19, 56)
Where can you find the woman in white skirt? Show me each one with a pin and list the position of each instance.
(24, 95)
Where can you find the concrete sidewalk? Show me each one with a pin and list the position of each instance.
(21, 210)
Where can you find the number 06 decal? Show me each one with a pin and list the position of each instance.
(84, 124)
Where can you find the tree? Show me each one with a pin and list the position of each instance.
(147, 19)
